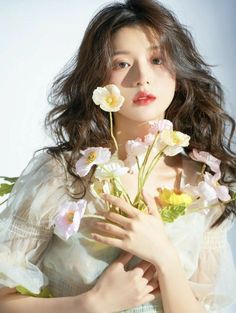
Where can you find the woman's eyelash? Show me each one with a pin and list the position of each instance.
(159, 61)
(117, 65)
(122, 64)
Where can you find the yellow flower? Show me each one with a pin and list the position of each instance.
(108, 97)
(170, 197)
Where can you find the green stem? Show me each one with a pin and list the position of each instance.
(198, 209)
(117, 181)
(148, 172)
(142, 168)
(147, 156)
(153, 164)
(112, 135)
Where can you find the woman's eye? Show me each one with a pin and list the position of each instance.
(157, 61)
(121, 65)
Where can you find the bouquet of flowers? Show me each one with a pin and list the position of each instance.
(142, 156)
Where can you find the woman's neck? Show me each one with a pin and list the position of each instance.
(130, 131)
(126, 129)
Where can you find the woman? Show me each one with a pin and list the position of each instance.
(141, 48)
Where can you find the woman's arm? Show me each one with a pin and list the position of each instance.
(144, 235)
(16, 303)
(115, 290)
(176, 293)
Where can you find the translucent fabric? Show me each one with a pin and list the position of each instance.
(32, 256)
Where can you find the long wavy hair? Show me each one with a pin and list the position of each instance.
(76, 123)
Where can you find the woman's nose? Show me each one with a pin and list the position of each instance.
(143, 83)
(141, 76)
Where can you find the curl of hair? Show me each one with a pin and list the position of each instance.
(197, 108)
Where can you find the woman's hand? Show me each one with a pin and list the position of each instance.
(118, 289)
(139, 233)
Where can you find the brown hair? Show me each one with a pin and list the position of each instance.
(197, 108)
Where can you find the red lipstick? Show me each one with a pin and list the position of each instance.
(143, 98)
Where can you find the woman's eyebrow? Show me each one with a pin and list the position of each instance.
(156, 47)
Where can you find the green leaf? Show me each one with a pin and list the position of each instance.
(171, 212)
(10, 179)
(5, 189)
(44, 293)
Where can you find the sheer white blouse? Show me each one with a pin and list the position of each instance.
(32, 256)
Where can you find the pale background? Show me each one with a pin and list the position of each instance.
(39, 37)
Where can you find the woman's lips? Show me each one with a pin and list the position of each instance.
(143, 98)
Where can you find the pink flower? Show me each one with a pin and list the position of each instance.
(135, 148)
(208, 191)
(159, 126)
(206, 157)
(68, 220)
(149, 138)
(91, 156)
(218, 191)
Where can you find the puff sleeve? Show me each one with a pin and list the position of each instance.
(214, 281)
(26, 224)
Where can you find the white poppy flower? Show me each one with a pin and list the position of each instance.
(91, 156)
(175, 140)
(108, 98)
(99, 187)
(159, 126)
(206, 157)
(135, 148)
(113, 168)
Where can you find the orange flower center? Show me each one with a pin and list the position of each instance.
(91, 157)
(70, 217)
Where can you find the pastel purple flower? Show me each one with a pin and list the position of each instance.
(207, 158)
(68, 220)
(90, 157)
(159, 126)
(221, 191)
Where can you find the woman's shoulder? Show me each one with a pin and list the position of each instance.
(43, 161)
(38, 191)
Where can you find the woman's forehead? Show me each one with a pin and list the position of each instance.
(126, 36)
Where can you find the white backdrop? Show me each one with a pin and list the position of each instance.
(39, 37)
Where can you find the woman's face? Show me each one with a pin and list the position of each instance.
(137, 67)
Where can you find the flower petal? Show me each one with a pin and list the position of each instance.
(206, 157)
(223, 193)
(159, 126)
(68, 219)
(108, 97)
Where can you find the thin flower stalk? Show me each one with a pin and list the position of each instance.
(117, 182)
(112, 134)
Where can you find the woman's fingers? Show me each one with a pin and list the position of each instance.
(124, 258)
(153, 284)
(111, 229)
(143, 266)
(114, 242)
(116, 218)
(151, 203)
(150, 296)
(121, 203)
(149, 273)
